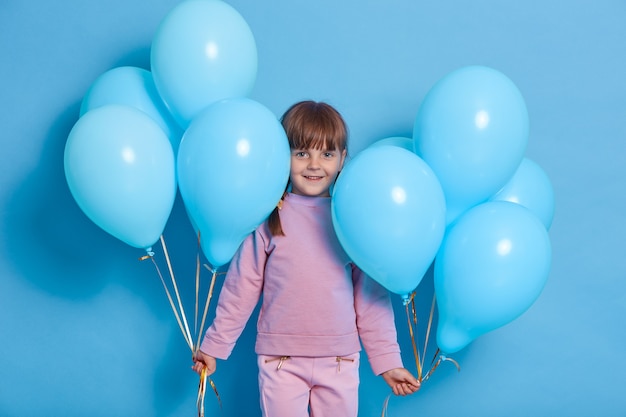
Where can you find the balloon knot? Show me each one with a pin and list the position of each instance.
(149, 254)
(407, 298)
(210, 269)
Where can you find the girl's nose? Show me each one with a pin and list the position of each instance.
(313, 162)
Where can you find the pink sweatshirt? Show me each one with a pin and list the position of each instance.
(316, 302)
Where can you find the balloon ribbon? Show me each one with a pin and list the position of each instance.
(204, 378)
(419, 359)
(409, 303)
(181, 318)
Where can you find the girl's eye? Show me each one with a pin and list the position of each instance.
(328, 155)
(301, 154)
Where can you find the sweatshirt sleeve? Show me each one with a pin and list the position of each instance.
(238, 298)
(376, 323)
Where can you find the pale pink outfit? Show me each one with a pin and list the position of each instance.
(316, 304)
(330, 387)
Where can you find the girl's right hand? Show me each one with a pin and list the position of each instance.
(202, 360)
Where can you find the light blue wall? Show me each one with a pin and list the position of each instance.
(85, 328)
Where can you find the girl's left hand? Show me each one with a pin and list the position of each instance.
(401, 381)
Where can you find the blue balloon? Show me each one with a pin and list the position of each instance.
(119, 166)
(492, 265)
(530, 187)
(388, 211)
(203, 51)
(233, 166)
(400, 141)
(472, 130)
(133, 87)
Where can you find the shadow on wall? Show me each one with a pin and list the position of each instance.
(49, 238)
(52, 243)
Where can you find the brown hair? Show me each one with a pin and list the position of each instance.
(310, 125)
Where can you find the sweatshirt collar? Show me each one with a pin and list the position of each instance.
(307, 201)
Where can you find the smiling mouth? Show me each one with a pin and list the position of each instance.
(314, 178)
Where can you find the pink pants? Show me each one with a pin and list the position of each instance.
(291, 386)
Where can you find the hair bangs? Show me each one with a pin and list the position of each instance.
(312, 125)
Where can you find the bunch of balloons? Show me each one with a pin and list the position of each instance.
(459, 193)
(186, 124)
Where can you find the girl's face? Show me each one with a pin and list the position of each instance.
(313, 171)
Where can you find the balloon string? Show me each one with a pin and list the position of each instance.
(428, 328)
(416, 352)
(206, 304)
(182, 324)
(442, 358)
(180, 304)
(420, 358)
(203, 375)
(439, 358)
(169, 297)
(202, 392)
(204, 378)
(195, 325)
(385, 406)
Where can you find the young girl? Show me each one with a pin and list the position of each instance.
(317, 305)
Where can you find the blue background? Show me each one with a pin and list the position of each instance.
(85, 328)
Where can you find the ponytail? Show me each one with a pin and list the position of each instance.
(273, 221)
